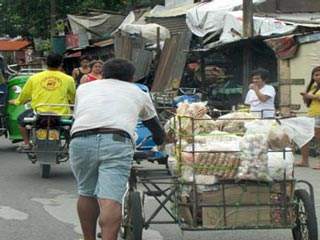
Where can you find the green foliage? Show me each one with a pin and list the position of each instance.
(45, 46)
(31, 18)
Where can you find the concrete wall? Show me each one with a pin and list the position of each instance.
(301, 66)
(287, 6)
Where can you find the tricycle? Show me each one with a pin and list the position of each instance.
(50, 137)
(219, 189)
(49, 132)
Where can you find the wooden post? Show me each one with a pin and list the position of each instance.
(53, 15)
(284, 89)
(247, 53)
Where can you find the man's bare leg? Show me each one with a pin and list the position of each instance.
(88, 211)
(110, 219)
(305, 156)
(25, 134)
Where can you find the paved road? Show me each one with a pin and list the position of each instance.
(32, 208)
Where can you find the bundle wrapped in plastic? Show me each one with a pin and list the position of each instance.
(234, 122)
(254, 150)
(278, 138)
(207, 158)
(191, 119)
(280, 164)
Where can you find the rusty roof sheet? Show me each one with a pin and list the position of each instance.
(7, 45)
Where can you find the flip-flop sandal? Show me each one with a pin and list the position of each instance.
(316, 167)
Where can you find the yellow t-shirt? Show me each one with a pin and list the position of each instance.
(314, 108)
(48, 87)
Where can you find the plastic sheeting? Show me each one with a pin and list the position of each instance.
(100, 25)
(233, 25)
(209, 17)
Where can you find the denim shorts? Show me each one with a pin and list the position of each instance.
(27, 113)
(101, 165)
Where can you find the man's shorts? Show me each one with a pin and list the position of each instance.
(101, 164)
(27, 113)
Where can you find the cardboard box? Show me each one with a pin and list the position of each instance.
(238, 193)
(243, 193)
(244, 215)
(236, 216)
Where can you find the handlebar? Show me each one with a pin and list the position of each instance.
(23, 71)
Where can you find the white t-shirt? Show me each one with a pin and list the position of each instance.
(258, 107)
(111, 103)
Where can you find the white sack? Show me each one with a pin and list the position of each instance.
(148, 31)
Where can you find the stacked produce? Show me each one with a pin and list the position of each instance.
(234, 146)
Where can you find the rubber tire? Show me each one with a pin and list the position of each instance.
(45, 170)
(135, 228)
(303, 196)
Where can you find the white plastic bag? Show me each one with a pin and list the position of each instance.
(300, 129)
(280, 163)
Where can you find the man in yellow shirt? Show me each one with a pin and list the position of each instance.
(49, 87)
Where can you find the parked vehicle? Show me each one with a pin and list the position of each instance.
(11, 90)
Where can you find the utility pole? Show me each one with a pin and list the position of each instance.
(247, 33)
(53, 15)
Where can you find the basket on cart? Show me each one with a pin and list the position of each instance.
(224, 181)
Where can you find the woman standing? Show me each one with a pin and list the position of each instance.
(312, 99)
(84, 68)
(95, 74)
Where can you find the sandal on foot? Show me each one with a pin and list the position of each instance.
(316, 167)
(300, 164)
(24, 147)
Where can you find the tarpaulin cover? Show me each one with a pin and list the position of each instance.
(100, 25)
(263, 26)
(284, 47)
(209, 17)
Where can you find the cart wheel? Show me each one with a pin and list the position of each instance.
(306, 222)
(132, 220)
(45, 170)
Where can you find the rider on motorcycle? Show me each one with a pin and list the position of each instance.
(50, 87)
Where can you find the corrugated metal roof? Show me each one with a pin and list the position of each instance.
(7, 45)
(220, 45)
(174, 24)
(302, 19)
(104, 43)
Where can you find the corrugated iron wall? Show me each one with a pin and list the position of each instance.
(172, 62)
(132, 48)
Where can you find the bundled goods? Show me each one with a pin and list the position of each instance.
(191, 119)
(222, 165)
(233, 122)
(280, 164)
(254, 158)
(278, 139)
